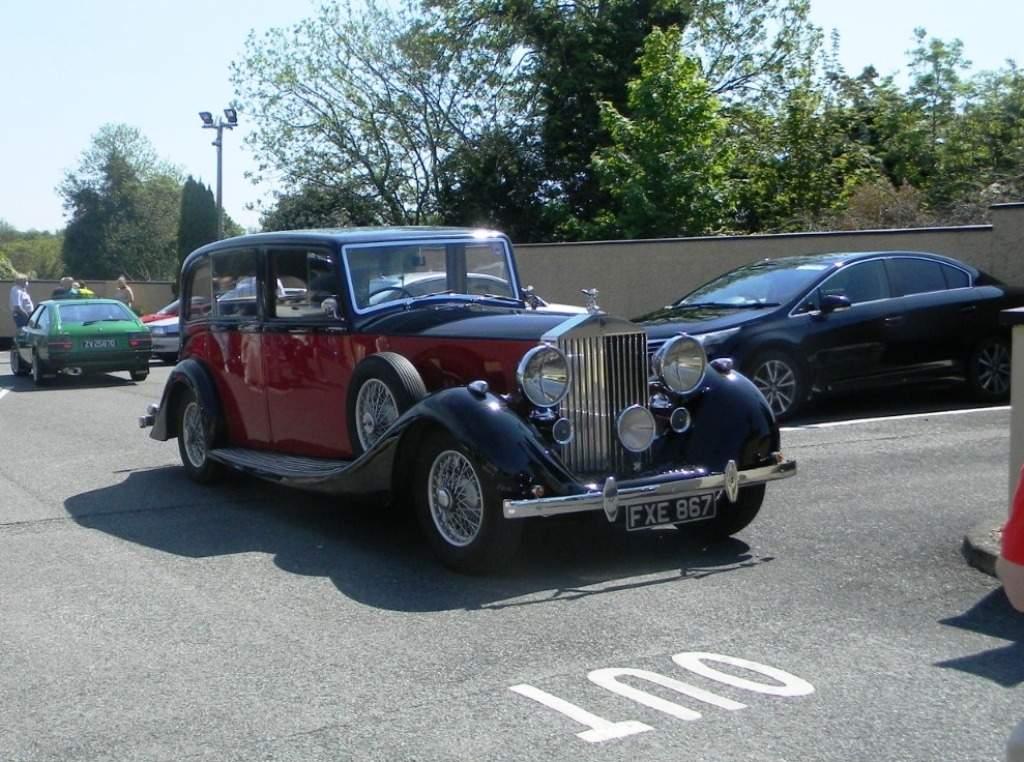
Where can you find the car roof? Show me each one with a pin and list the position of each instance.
(846, 257)
(360, 235)
(80, 300)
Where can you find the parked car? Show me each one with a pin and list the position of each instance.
(76, 336)
(168, 310)
(479, 411)
(807, 325)
(165, 334)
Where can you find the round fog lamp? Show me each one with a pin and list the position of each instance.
(562, 431)
(636, 428)
(679, 420)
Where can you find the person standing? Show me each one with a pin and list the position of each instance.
(20, 301)
(124, 293)
(66, 289)
(1010, 569)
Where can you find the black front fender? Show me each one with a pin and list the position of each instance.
(190, 374)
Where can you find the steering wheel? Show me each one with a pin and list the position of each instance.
(399, 289)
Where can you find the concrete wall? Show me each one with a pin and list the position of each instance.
(149, 297)
(637, 276)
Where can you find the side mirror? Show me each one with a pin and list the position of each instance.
(834, 302)
(330, 308)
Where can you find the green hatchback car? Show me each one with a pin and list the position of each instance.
(77, 336)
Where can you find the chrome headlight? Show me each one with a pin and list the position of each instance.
(543, 375)
(680, 364)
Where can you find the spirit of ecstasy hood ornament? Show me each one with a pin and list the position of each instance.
(591, 296)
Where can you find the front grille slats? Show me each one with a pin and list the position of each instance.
(609, 373)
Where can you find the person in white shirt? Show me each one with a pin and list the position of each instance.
(21, 302)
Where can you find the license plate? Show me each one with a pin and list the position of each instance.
(677, 510)
(99, 343)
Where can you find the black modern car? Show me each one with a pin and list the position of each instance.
(805, 325)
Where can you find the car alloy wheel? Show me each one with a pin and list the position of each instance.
(777, 381)
(376, 410)
(992, 368)
(455, 498)
(193, 435)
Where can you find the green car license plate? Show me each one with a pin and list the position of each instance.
(679, 510)
(99, 344)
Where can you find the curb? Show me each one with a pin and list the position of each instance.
(981, 546)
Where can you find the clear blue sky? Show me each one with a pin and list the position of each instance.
(71, 66)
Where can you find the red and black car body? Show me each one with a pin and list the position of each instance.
(304, 360)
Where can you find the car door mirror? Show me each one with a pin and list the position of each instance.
(833, 302)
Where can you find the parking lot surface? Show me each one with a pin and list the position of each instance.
(145, 617)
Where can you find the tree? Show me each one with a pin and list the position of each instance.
(197, 222)
(315, 207)
(123, 206)
(667, 168)
(372, 101)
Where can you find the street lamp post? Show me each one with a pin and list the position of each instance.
(228, 122)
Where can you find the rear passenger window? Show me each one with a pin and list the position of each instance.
(859, 282)
(915, 276)
(303, 280)
(200, 292)
(955, 277)
(235, 283)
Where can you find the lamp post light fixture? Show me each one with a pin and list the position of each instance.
(228, 122)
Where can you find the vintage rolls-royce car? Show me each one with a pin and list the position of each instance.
(410, 363)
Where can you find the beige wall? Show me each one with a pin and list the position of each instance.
(149, 297)
(637, 276)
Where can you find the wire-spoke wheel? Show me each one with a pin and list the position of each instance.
(376, 409)
(383, 386)
(989, 370)
(195, 436)
(456, 499)
(778, 378)
(458, 507)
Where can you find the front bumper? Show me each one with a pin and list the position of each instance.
(611, 496)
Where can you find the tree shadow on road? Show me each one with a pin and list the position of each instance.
(377, 557)
(993, 616)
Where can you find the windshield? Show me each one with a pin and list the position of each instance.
(762, 283)
(94, 313)
(387, 273)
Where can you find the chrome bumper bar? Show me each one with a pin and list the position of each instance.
(611, 497)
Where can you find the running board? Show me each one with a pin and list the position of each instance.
(278, 467)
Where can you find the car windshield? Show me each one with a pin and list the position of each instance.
(761, 284)
(386, 273)
(94, 313)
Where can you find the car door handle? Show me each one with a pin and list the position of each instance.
(969, 308)
(893, 319)
(249, 328)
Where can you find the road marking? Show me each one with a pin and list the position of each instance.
(602, 730)
(854, 421)
(3, 393)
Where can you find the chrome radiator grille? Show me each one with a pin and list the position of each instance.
(609, 373)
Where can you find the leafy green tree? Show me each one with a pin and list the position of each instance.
(197, 221)
(372, 100)
(7, 270)
(37, 254)
(123, 206)
(667, 168)
(315, 207)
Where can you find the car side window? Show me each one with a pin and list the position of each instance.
(955, 277)
(915, 276)
(859, 282)
(33, 320)
(200, 292)
(236, 283)
(303, 280)
(44, 319)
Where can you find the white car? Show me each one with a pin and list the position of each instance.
(165, 338)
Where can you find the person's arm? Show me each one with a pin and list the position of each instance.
(1010, 564)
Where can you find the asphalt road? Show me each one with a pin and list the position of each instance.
(145, 618)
